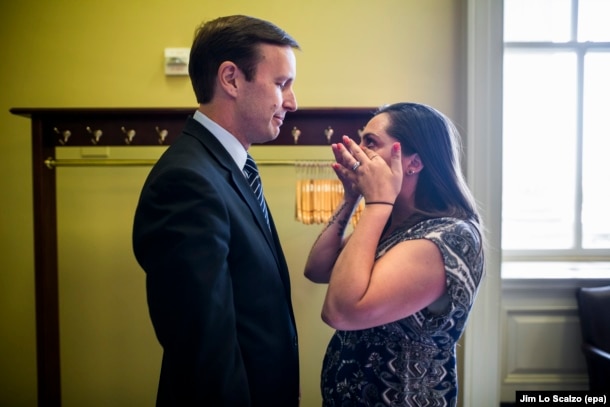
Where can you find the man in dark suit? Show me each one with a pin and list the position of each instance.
(217, 281)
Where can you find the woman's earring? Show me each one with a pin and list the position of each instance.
(409, 172)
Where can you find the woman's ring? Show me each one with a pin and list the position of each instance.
(356, 165)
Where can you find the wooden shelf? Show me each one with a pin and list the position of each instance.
(160, 126)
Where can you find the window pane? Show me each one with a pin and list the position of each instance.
(539, 141)
(593, 20)
(596, 144)
(537, 20)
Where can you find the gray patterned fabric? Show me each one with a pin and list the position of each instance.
(410, 362)
(254, 179)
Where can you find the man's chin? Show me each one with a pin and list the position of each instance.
(271, 136)
(275, 132)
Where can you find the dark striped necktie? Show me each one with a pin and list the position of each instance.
(254, 179)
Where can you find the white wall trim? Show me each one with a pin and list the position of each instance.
(481, 381)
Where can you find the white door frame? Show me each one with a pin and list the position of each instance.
(482, 341)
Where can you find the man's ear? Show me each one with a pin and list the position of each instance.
(227, 77)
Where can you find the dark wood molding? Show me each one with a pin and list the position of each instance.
(159, 126)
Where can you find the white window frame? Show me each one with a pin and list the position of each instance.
(570, 257)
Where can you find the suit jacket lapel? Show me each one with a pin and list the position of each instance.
(220, 154)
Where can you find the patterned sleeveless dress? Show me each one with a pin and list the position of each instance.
(410, 362)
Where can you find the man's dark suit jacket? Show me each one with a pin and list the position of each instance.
(217, 281)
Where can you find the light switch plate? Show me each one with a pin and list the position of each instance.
(177, 61)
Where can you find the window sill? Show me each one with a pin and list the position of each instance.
(559, 270)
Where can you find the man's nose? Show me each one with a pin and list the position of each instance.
(290, 101)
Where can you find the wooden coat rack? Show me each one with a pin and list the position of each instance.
(57, 127)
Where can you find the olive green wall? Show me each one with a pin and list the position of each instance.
(82, 53)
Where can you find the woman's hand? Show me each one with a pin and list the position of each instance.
(365, 173)
(351, 191)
